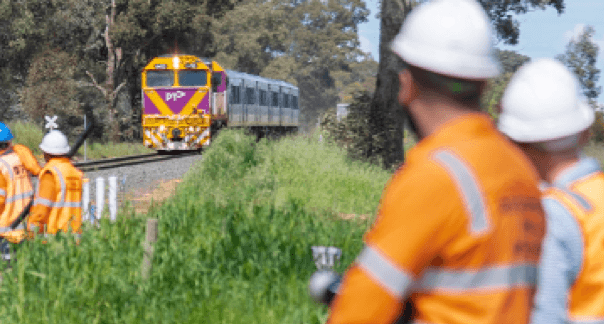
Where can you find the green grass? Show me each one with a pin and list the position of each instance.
(234, 243)
(595, 150)
(31, 136)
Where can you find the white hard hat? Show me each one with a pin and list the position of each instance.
(543, 102)
(449, 37)
(55, 143)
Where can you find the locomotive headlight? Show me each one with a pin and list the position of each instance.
(175, 62)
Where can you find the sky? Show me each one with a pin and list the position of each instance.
(543, 33)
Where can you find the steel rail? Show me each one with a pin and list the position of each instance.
(111, 163)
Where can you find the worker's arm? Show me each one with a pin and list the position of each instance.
(561, 260)
(43, 202)
(3, 186)
(27, 158)
(416, 219)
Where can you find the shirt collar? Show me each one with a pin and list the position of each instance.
(467, 126)
(584, 167)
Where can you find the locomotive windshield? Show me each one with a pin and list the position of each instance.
(160, 78)
(192, 78)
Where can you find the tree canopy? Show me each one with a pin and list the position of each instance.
(580, 56)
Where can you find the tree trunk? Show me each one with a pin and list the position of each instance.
(386, 113)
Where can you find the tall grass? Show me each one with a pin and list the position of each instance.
(234, 244)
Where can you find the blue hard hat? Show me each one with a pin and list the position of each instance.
(5, 133)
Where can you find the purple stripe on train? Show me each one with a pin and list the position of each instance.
(175, 99)
(204, 104)
(222, 86)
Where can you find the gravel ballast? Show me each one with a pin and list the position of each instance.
(142, 177)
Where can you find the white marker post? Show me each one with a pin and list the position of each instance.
(86, 201)
(113, 198)
(100, 197)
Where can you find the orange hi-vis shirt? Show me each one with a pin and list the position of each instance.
(58, 200)
(15, 193)
(458, 231)
(584, 199)
(27, 158)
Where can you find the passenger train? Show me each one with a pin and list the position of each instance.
(187, 99)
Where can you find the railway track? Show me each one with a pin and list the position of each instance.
(103, 164)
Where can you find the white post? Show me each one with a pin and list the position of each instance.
(85, 140)
(100, 197)
(113, 198)
(86, 200)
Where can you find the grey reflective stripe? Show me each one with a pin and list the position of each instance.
(68, 205)
(63, 188)
(2, 192)
(495, 277)
(42, 201)
(588, 321)
(8, 167)
(6, 229)
(24, 195)
(384, 272)
(586, 205)
(470, 191)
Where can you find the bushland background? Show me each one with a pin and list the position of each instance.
(76, 58)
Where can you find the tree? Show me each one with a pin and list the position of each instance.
(580, 57)
(50, 88)
(307, 43)
(387, 115)
(114, 60)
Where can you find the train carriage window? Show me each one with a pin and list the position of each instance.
(275, 99)
(236, 95)
(251, 96)
(192, 78)
(295, 102)
(160, 78)
(285, 101)
(263, 98)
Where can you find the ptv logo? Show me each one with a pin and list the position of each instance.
(174, 95)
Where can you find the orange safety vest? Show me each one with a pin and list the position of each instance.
(66, 207)
(19, 191)
(458, 233)
(585, 200)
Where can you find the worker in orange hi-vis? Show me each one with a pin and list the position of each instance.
(17, 164)
(544, 111)
(57, 205)
(459, 228)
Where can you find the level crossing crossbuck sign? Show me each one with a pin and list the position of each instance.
(50, 122)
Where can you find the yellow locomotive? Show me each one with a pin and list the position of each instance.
(187, 99)
(178, 93)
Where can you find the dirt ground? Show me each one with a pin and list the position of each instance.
(141, 199)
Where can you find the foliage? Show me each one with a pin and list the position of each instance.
(580, 56)
(597, 128)
(50, 89)
(27, 134)
(240, 260)
(361, 77)
(306, 43)
(503, 12)
(356, 132)
(510, 62)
